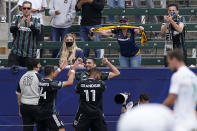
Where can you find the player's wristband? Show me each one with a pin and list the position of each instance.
(58, 69)
(72, 71)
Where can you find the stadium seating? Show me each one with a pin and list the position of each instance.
(114, 45)
(141, 11)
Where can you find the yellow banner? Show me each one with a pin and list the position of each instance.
(143, 39)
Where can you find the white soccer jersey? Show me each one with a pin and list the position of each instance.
(184, 85)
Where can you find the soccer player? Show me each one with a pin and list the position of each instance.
(182, 92)
(48, 118)
(89, 64)
(91, 114)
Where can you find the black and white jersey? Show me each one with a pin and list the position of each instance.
(90, 91)
(84, 75)
(48, 95)
(28, 88)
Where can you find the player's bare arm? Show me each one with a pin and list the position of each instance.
(169, 101)
(62, 66)
(71, 73)
(114, 71)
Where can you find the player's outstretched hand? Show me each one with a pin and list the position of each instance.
(77, 62)
(63, 65)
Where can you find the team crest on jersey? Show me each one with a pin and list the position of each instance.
(27, 80)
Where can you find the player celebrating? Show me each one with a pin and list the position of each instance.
(89, 64)
(182, 93)
(48, 118)
(91, 114)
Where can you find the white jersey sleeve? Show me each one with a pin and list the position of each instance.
(174, 86)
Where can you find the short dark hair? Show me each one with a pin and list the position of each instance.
(48, 69)
(178, 54)
(94, 70)
(144, 97)
(32, 63)
(27, 2)
(94, 60)
(174, 5)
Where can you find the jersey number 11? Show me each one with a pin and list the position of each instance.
(93, 92)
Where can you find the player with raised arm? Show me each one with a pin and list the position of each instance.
(48, 117)
(90, 91)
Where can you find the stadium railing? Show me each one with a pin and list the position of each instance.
(141, 11)
(107, 45)
(147, 27)
(145, 61)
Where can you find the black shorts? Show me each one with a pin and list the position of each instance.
(53, 123)
(96, 124)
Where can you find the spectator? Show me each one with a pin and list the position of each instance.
(2, 11)
(143, 99)
(38, 6)
(150, 4)
(24, 28)
(111, 4)
(174, 31)
(129, 52)
(70, 51)
(63, 13)
(91, 18)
